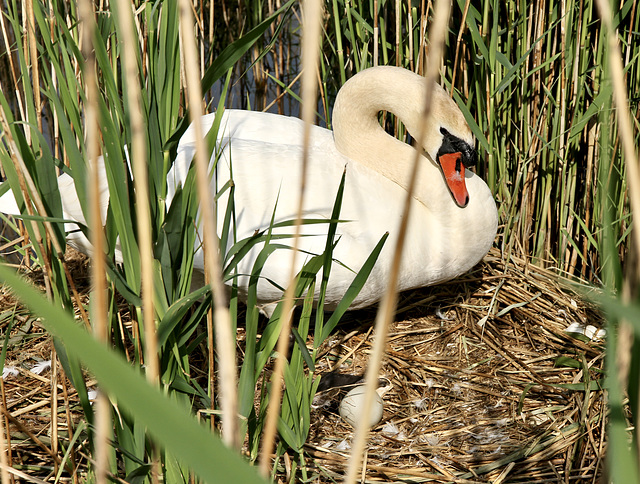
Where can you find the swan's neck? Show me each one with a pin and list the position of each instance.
(359, 136)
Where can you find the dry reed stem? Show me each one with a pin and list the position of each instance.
(622, 361)
(99, 321)
(141, 183)
(143, 212)
(458, 42)
(225, 340)
(398, 18)
(389, 302)
(5, 444)
(54, 404)
(22, 475)
(310, 49)
(624, 119)
(33, 55)
(376, 32)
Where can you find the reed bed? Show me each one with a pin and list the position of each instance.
(493, 391)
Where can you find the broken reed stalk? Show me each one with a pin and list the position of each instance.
(388, 305)
(310, 49)
(225, 339)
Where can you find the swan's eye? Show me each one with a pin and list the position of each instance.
(453, 144)
(470, 157)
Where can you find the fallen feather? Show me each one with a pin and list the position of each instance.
(441, 315)
(589, 331)
(344, 445)
(390, 428)
(41, 367)
(9, 371)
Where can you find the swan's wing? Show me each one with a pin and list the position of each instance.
(264, 154)
(267, 180)
(258, 127)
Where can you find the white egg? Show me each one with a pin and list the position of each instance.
(352, 406)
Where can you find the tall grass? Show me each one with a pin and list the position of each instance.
(533, 80)
(152, 82)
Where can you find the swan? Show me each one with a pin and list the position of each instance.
(453, 221)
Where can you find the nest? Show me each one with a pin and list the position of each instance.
(485, 385)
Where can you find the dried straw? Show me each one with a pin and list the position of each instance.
(470, 403)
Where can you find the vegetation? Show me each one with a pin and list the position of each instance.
(533, 79)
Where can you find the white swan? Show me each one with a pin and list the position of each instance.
(453, 220)
(446, 237)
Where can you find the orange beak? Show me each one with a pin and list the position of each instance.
(453, 170)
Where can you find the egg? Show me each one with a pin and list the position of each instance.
(352, 406)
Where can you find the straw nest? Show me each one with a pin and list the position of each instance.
(510, 397)
(484, 385)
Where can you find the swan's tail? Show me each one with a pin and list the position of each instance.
(71, 211)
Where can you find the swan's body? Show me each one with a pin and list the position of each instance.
(264, 153)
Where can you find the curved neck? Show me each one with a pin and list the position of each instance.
(359, 136)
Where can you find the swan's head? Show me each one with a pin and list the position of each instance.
(450, 144)
(453, 157)
(448, 141)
